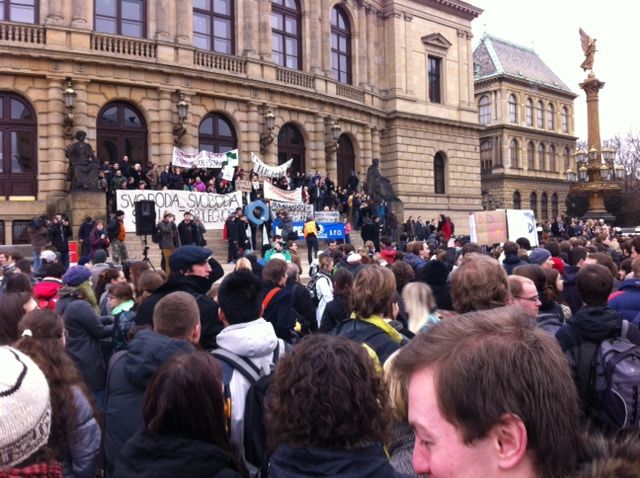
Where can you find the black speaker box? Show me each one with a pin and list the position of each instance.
(145, 218)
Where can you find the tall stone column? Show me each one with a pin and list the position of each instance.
(325, 37)
(363, 46)
(373, 47)
(253, 136)
(250, 35)
(54, 14)
(365, 159)
(167, 117)
(165, 20)
(315, 45)
(79, 14)
(53, 166)
(184, 25)
(264, 30)
(375, 143)
(318, 161)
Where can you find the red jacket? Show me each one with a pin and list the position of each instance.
(46, 293)
(388, 254)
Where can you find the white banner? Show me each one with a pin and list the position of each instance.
(212, 209)
(204, 159)
(327, 216)
(262, 169)
(274, 192)
(298, 211)
(522, 223)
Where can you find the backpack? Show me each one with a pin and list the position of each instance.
(313, 290)
(549, 323)
(609, 380)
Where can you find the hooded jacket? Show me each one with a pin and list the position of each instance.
(626, 300)
(46, 292)
(128, 378)
(510, 262)
(609, 457)
(365, 462)
(148, 455)
(570, 292)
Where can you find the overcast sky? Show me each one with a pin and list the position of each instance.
(550, 27)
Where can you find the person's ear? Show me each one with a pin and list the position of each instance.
(195, 333)
(509, 437)
(222, 317)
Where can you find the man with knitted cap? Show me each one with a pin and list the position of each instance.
(542, 257)
(25, 417)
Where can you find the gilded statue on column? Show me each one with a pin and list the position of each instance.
(589, 49)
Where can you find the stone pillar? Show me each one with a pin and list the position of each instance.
(250, 35)
(54, 165)
(79, 14)
(165, 20)
(375, 143)
(325, 36)
(264, 30)
(184, 26)
(252, 135)
(469, 69)
(167, 117)
(54, 14)
(363, 46)
(318, 161)
(365, 159)
(373, 48)
(409, 87)
(315, 45)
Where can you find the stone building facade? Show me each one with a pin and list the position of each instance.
(528, 138)
(347, 81)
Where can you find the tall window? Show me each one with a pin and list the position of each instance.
(216, 134)
(533, 203)
(539, 115)
(530, 158)
(435, 79)
(565, 119)
(567, 158)
(484, 109)
(213, 25)
(121, 17)
(285, 30)
(439, 173)
(346, 159)
(291, 146)
(513, 153)
(486, 156)
(544, 206)
(23, 11)
(517, 200)
(513, 109)
(340, 45)
(122, 131)
(541, 158)
(554, 205)
(529, 112)
(553, 166)
(551, 112)
(18, 147)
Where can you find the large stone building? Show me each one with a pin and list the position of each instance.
(528, 140)
(346, 80)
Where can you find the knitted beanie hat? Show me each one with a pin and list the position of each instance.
(76, 275)
(25, 409)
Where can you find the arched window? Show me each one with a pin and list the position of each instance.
(517, 200)
(213, 25)
(554, 205)
(513, 153)
(346, 158)
(530, 156)
(484, 109)
(216, 134)
(19, 143)
(565, 119)
(120, 17)
(486, 156)
(540, 115)
(529, 112)
(567, 158)
(533, 203)
(122, 131)
(544, 206)
(23, 11)
(552, 159)
(291, 146)
(340, 45)
(551, 111)
(513, 109)
(439, 173)
(285, 31)
(541, 158)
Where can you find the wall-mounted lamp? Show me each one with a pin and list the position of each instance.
(179, 128)
(334, 131)
(69, 97)
(267, 136)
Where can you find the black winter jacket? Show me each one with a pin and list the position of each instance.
(279, 311)
(510, 262)
(129, 376)
(335, 312)
(570, 292)
(148, 455)
(364, 332)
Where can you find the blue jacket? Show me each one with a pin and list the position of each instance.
(626, 300)
(570, 292)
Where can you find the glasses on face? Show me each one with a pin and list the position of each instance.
(531, 299)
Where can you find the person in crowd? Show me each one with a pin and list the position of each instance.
(556, 285)
(577, 256)
(324, 285)
(13, 306)
(176, 330)
(47, 257)
(310, 232)
(18, 281)
(75, 431)
(292, 247)
(60, 233)
(541, 257)
(524, 294)
(78, 306)
(184, 425)
(47, 291)
(168, 240)
(328, 412)
(302, 302)
(188, 230)
(511, 258)
(592, 324)
(626, 300)
(278, 247)
(231, 235)
(549, 308)
(201, 231)
(420, 305)
(554, 248)
(277, 301)
(106, 280)
(248, 338)
(153, 176)
(148, 282)
(117, 235)
(39, 237)
(122, 303)
(522, 418)
(372, 309)
(25, 418)
(339, 309)
(417, 254)
(191, 273)
(480, 283)
(605, 259)
(98, 240)
(388, 253)
(98, 265)
(134, 271)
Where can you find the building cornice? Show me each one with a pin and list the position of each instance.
(527, 83)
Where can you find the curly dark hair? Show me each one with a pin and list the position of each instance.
(327, 393)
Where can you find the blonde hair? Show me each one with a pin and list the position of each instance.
(243, 263)
(373, 291)
(419, 303)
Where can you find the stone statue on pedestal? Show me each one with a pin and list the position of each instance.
(83, 165)
(589, 49)
(378, 187)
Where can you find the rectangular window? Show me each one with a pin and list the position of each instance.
(23, 11)
(435, 79)
(20, 232)
(3, 235)
(120, 17)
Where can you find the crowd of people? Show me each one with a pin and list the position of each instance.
(423, 356)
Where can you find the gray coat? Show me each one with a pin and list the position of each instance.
(168, 237)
